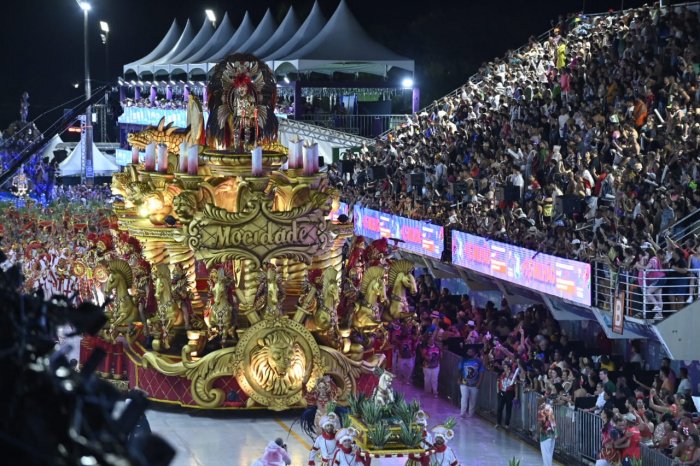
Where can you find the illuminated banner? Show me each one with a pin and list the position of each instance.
(418, 237)
(151, 116)
(343, 209)
(564, 278)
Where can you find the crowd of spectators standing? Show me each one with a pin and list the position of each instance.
(529, 352)
(602, 114)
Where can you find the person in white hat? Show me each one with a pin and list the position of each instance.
(444, 455)
(325, 444)
(347, 453)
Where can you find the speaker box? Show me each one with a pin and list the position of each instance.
(512, 193)
(346, 166)
(416, 179)
(458, 188)
(321, 161)
(377, 172)
(569, 204)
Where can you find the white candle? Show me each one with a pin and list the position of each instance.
(150, 158)
(135, 155)
(162, 158)
(308, 160)
(192, 159)
(257, 161)
(183, 157)
(315, 157)
(295, 153)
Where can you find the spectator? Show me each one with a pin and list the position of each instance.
(506, 390)
(684, 387)
(471, 372)
(629, 443)
(431, 366)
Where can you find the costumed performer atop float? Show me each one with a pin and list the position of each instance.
(275, 455)
(443, 456)
(348, 453)
(325, 444)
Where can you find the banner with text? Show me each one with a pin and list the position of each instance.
(416, 236)
(553, 275)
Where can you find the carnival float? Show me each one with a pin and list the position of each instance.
(231, 285)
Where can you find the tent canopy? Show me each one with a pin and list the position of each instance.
(263, 32)
(289, 25)
(242, 34)
(199, 42)
(51, 146)
(222, 34)
(181, 44)
(339, 44)
(102, 164)
(311, 26)
(342, 45)
(165, 45)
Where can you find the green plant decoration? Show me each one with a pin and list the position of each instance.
(403, 412)
(355, 402)
(450, 422)
(514, 462)
(345, 420)
(410, 436)
(330, 407)
(399, 397)
(379, 434)
(371, 413)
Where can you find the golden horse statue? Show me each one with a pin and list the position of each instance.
(400, 280)
(120, 280)
(373, 292)
(221, 309)
(167, 316)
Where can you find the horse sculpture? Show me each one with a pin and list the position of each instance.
(400, 280)
(373, 292)
(384, 395)
(120, 280)
(167, 316)
(221, 311)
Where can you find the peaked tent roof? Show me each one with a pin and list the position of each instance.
(184, 40)
(101, 163)
(199, 41)
(312, 25)
(51, 146)
(165, 45)
(289, 25)
(263, 32)
(343, 45)
(242, 34)
(222, 34)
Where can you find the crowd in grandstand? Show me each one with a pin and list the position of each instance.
(529, 352)
(584, 142)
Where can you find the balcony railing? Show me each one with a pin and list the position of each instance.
(643, 294)
(368, 126)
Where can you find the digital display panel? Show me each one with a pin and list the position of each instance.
(343, 209)
(553, 275)
(417, 236)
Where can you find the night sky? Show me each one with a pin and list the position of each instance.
(43, 39)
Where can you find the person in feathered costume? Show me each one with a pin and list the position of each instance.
(377, 252)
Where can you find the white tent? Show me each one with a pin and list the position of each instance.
(50, 147)
(103, 165)
(288, 27)
(312, 25)
(342, 45)
(163, 48)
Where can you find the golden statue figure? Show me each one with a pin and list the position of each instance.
(182, 296)
(270, 294)
(167, 316)
(124, 309)
(401, 280)
(366, 317)
(220, 317)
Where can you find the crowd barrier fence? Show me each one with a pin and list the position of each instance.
(579, 432)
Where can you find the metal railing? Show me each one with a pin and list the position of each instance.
(369, 126)
(643, 294)
(579, 432)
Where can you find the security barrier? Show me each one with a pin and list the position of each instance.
(579, 432)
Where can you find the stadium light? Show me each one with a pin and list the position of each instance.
(407, 83)
(85, 6)
(286, 79)
(211, 16)
(104, 26)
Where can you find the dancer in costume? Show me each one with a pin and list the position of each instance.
(444, 455)
(325, 445)
(348, 454)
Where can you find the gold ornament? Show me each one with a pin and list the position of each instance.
(120, 281)
(366, 314)
(401, 280)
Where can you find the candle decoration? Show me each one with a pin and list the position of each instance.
(162, 158)
(192, 159)
(295, 153)
(183, 158)
(257, 161)
(150, 159)
(135, 155)
(310, 154)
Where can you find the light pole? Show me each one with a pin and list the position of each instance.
(87, 173)
(211, 17)
(104, 27)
